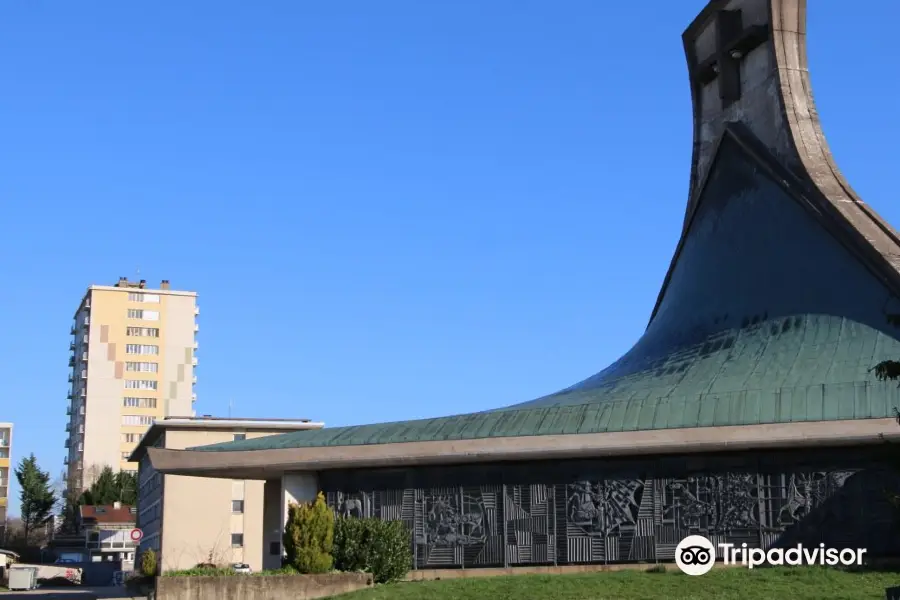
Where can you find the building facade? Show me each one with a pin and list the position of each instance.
(195, 520)
(103, 534)
(6, 471)
(134, 356)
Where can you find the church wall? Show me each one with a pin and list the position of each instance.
(626, 511)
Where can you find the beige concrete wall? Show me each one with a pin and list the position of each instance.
(176, 376)
(275, 587)
(197, 517)
(102, 419)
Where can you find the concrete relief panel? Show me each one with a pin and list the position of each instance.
(180, 372)
(173, 389)
(120, 370)
(188, 355)
(104, 333)
(111, 352)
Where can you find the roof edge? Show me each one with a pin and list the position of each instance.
(269, 464)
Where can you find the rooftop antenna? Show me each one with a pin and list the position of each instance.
(230, 405)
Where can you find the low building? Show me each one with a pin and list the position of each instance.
(103, 534)
(194, 520)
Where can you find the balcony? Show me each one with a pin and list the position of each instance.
(71, 379)
(71, 361)
(68, 427)
(194, 361)
(81, 410)
(87, 321)
(69, 396)
(84, 356)
(66, 460)
(81, 429)
(196, 310)
(71, 346)
(68, 410)
(84, 374)
(196, 327)
(194, 380)
(193, 397)
(72, 331)
(83, 393)
(196, 344)
(67, 443)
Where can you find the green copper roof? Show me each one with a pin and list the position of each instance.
(766, 317)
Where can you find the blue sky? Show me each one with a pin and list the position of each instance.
(389, 210)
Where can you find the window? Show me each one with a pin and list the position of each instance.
(126, 455)
(274, 548)
(237, 540)
(131, 438)
(139, 402)
(237, 506)
(142, 297)
(137, 420)
(240, 436)
(142, 367)
(142, 331)
(141, 384)
(141, 348)
(134, 313)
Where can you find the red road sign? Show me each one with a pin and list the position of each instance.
(136, 535)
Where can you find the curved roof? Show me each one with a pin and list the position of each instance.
(768, 317)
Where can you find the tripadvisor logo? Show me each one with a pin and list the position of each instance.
(696, 555)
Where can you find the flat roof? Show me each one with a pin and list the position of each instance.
(218, 423)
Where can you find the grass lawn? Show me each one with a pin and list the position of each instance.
(787, 583)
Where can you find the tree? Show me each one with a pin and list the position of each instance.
(110, 487)
(309, 536)
(37, 498)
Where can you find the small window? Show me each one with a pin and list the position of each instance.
(237, 506)
(237, 540)
(240, 437)
(274, 548)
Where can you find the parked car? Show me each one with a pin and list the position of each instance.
(242, 568)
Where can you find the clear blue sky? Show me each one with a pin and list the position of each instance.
(390, 210)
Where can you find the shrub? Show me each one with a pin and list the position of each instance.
(148, 563)
(381, 548)
(309, 536)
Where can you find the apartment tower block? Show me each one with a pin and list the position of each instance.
(134, 355)
(6, 470)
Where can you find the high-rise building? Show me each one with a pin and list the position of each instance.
(134, 354)
(5, 472)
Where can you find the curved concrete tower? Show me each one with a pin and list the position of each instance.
(775, 308)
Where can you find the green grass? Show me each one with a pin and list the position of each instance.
(787, 583)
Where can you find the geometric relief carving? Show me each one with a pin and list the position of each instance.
(598, 519)
(602, 508)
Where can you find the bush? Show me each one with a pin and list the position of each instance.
(381, 548)
(148, 563)
(309, 536)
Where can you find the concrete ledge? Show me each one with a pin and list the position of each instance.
(270, 464)
(260, 587)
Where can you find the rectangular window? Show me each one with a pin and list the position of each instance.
(135, 313)
(240, 436)
(142, 331)
(134, 402)
(237, 506)
(142, 367)
(142, 297)
(137, 420)
(131, 438)
(237, 540)
(141, 349)
(141, 384)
